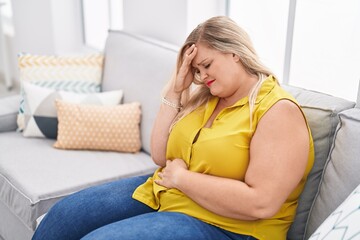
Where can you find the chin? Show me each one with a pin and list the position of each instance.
(213, 93)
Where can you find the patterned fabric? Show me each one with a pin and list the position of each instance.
(81, 74)
(343, 223)
(110, 128)
(41, 117)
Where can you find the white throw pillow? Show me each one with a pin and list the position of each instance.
(344, 222)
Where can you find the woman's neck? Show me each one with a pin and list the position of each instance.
(247, 85)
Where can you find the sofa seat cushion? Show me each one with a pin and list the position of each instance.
(34, 175)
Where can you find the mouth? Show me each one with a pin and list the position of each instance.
(208, 83)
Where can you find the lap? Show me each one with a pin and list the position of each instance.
(89, 209)
(162, 225)
(109, 212)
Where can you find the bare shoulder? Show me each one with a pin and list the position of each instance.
(282, 127)
(284, 112)
(285, 106)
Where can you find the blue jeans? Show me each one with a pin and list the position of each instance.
(109, 212)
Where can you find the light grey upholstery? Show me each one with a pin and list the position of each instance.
(38, 175)
(9, 107)
(321, 111)
(341, 175)
(141, 67)
(11, 226)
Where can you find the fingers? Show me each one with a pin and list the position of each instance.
(160, 181)
(185, 74)
(161, 173)
(190, 53)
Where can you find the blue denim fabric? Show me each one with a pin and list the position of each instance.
(109, 212)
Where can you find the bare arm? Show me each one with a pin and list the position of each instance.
(165, 117)
(278, 157)
(160, 133)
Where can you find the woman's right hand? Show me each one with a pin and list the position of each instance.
(185, 76)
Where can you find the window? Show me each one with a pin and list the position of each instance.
(325, 50)
(326, 47)
(98, 17)
(266, 23)
(6, 17)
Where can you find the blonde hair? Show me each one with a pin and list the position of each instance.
(223, 34)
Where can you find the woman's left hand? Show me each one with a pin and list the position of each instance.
(169, 175)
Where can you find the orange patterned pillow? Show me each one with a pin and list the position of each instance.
(109, 128)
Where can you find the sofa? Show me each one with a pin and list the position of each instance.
(34, 175)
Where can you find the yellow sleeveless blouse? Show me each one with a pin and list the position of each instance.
(223, 150)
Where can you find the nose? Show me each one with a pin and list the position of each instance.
(203, 75)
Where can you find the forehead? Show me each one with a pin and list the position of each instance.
(203, 52)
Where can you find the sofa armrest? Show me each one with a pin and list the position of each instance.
(9, 107)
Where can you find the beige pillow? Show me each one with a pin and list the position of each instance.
(109, 128)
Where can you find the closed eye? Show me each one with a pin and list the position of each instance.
(195, 71)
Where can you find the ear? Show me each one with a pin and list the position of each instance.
(236, 57)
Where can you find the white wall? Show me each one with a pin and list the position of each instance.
(266, 23)
(33, 26)
(169, 21)
(45, 27)
(55, 26)
(162, 19)
(67, 24)
(200, 10)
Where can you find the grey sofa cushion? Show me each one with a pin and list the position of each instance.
(148, 73)
(9, 107)
(321, 111)
(341, 173)
(34, 175)
(343, 222)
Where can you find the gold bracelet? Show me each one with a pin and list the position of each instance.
(171, 104)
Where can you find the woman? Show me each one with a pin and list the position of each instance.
(234, 154)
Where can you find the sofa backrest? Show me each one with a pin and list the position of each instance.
(322, 112)
(340, 178)
(141, 67)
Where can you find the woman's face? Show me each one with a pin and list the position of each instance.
(220, 72)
